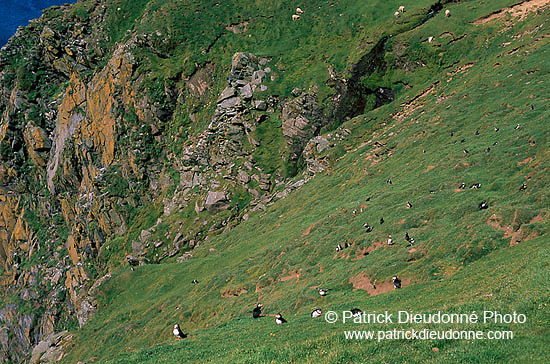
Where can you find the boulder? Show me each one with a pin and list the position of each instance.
(227, 93)
(260, 105)
(246, 92)
(216, 202)
(231, 102)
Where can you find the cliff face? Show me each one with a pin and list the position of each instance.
(93, 173)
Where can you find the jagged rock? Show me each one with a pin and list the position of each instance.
(216, 201)
(246, 92)
(260, 105)
(227, 93)
(49, 350)
(301, 120)
(145, 235)
(258, 77)
(137, 247)
(87, 300)
(230, 102)
(243, 177)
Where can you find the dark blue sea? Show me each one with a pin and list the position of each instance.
(14, 13)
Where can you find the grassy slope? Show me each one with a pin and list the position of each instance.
(457, 249)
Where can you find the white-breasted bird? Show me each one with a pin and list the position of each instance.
(322, 292)
(396, 282)
(279, 320)
(178, 333)
(316, 313)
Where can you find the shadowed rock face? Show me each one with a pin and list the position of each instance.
(301, 120)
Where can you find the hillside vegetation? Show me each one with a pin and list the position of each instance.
(480, 77)
(414, 109)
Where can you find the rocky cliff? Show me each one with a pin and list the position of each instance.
(95, 173)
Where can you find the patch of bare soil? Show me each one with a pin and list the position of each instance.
(516, 236)
(525, 161)
(292, 275)
(520, 10)
(414, 104)
(361, 253)
(308, 230)
(233, 292)
(361, 281)
(429, 168)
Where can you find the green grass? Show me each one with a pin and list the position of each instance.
(461, 264)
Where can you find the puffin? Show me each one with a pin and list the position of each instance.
(497, 129)
(354, 212)
(517, 127)
(195, 281)
(396, 282)
(338, 247)
(381, 220)
(407, 237)
(367, 227)
(488, 149)
(409, 205)
(322, 292)
(462, 186)
(477, 132)
(475, 186)
(523, 187)
(256, 312)
(279, 320)
(178, 333)
(316, 313)
(356, 312)
(483, 205)
(388, 181)
(390, 240)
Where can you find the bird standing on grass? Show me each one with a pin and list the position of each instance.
(322, 292)
(356, 312)
(523, 187)
(178, 333)
(257, 311)
(396, 282)
(279, 320)
(316, 313)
